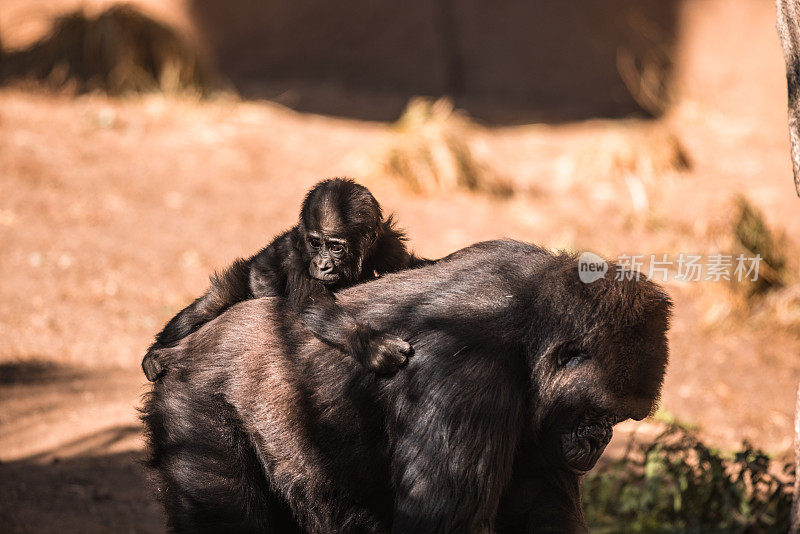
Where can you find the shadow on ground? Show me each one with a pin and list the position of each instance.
(71, 450)
(35, 372)
(85, 493)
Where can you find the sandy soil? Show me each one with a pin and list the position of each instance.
(100, 251)
(114, 212)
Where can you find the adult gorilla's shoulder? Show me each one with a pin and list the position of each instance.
(519, 372)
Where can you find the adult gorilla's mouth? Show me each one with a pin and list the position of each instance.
(584, 445)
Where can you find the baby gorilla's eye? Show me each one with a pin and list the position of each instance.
(336, 248)
(314, 242)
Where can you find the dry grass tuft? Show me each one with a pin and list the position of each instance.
(430, 151)
(779, 309)
(751, 233)
(638, 149)
(122, 50)
(635, 156)
(772, 301)
(645, 62)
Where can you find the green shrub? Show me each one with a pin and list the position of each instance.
(678, 484)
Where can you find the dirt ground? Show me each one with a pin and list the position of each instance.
(113, 212)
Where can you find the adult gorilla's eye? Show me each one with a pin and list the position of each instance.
(569, 359)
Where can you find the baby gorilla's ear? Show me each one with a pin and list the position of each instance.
(370, 239)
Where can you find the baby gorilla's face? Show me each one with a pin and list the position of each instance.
(329, 257)
(339, 223)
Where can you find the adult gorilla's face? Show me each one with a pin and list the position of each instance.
(601, 368)
(582, 445)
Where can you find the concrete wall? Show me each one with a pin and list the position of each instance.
(544, 58)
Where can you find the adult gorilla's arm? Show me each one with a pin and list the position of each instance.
(789, 31)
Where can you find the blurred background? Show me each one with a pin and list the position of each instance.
(144, 145)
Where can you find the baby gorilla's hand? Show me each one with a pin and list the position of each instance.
(150, 365)
(387, 353)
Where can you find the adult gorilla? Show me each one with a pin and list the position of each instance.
(519, 372)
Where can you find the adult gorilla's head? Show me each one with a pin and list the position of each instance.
(594, 365)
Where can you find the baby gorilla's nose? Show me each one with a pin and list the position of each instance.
(324, 265)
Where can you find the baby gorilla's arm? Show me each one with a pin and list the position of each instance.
(227, 288)
(379, 351)
(313, 301)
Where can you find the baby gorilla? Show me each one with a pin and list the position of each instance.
(341, 239)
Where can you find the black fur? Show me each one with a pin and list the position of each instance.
(343, 209)
(259, 427)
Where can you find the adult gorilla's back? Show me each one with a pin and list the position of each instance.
(519, 372)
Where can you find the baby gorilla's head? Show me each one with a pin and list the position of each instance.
(340, 221)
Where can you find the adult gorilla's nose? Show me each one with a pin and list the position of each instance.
(637, 408)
